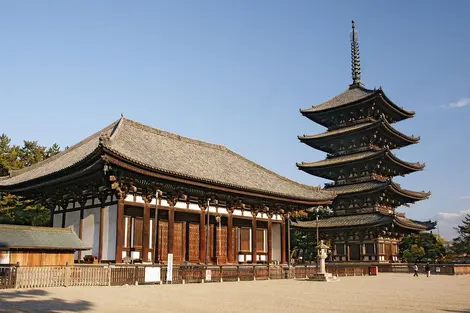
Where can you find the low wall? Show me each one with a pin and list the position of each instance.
(13, 276)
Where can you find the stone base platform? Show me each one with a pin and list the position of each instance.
(326, 277)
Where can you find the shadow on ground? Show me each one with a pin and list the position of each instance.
(457, 311)
(36, 300)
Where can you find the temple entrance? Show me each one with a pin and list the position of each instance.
(355, 252)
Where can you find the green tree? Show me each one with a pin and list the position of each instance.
(461, 244)
(304, 244)
(422, 247)
(14, 209)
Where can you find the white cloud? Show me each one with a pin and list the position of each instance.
(448, 220)
(465, 197)
(459, 104)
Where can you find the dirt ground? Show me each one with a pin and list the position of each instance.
(384, 293)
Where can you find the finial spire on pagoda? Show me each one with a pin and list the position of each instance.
(355, 59)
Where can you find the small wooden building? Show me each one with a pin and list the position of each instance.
(38, 246)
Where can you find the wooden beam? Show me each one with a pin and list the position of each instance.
(270, 238)
(171, 229)
(254, 242)
(202, 236)
(230, 253)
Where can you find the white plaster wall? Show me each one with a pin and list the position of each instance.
(194, 206)
(57, 220)
(109, 232)
(91, 231)
(72, 220)
(276, 229)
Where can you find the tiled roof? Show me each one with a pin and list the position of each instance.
(381, 122)
(348, 96)
(337, 131)
(360, 156)
(13, 236)
(176, 155)
(378, 185)
(370, 219)
(340, 159)
(409, 223)
(358, 187)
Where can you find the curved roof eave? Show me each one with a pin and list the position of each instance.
(329, 196)
(395, 107)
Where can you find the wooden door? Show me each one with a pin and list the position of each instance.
(221, 248)
(179, 243)
(163, 241)
(194, 243)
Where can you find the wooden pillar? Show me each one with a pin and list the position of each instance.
(270, 238)
(202, 233)
(283, 240)
(101, 234)
(254, 255)
(172, 200)
(146, 230)
(120, 229)
(171, 228)
(229, 236)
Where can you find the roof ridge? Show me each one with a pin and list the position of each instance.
(37, 228)
(314, 188)
(60, 154)
(175, 136)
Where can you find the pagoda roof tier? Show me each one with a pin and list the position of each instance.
(323, 167)
(324, 140)
(356, 95)
(364, 220)
(373, 186)
(166, 154)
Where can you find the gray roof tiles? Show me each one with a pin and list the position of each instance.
(14, 236)
(346, 97)
(177, 155)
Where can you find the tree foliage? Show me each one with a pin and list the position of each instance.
(461, 244)
(422, 247)
(13, 209)
(304, 244)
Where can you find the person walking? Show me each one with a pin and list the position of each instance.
(428, 269)
(416, 270)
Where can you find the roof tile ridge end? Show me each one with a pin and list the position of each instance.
(60, 154)
(175, 136)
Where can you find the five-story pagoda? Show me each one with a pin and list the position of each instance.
(365, 225)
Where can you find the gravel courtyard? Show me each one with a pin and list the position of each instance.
(384, 293)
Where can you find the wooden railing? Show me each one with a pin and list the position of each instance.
(7, 276)
(12, 276)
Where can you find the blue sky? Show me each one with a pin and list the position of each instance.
(237, 72)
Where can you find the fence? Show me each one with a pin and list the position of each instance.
(12, 276)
